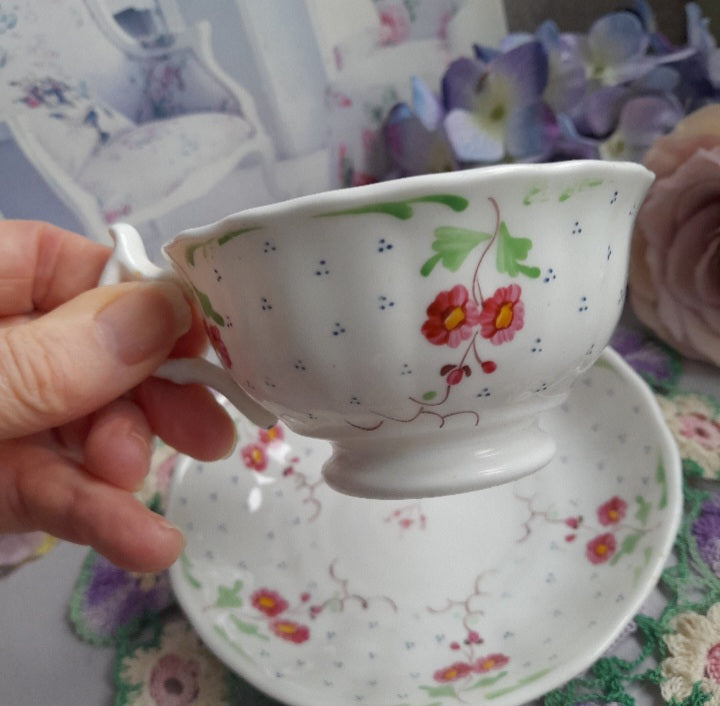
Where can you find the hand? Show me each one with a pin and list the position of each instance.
(77, 408)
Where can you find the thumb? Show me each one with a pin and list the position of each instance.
(85, 353)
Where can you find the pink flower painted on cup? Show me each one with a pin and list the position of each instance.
(218, 345)
(451, 318)
(674, 283)
(612, 512)
(502, 315)
(601, 548)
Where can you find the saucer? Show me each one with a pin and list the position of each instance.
(498, 595)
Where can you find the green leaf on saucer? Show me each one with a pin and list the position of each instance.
(488, 681)
(440, 691)
(452, 246)
(247, 628)
(186, 564)
(511, 251)
(228, 596)
(627, 546)
(643, 510)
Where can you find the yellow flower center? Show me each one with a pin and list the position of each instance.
(454, 318)
(505, 316)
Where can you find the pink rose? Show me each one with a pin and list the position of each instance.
(675, 265)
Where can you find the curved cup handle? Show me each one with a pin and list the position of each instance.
(130, 262)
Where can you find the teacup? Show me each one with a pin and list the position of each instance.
(421, 325)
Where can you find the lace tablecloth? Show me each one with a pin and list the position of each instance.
(669, 653)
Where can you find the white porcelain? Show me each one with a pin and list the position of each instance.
(497, 596)
(422, 324)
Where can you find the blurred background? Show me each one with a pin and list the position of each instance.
(172, 113)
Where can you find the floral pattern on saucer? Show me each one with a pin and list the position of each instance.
(499, 595)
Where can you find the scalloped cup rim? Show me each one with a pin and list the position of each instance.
(401, 187)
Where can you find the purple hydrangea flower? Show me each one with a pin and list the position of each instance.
(642, 120)
(494, 110)
(415, 137)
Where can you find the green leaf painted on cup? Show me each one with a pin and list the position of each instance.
(207, 307)
(572, 190)
(402, 210)
(452, 246)
(511, 252)
(227, 237)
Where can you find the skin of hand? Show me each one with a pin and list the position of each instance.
(78, 408)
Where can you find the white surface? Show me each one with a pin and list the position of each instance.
(42, 663)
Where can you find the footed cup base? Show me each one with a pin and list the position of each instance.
(441, 463)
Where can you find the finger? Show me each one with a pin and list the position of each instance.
(118, 446)
(42, 266)
(188, 418)
(40, 490)
(195, 341)
(85, 353)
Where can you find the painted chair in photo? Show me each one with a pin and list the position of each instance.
(123, 127)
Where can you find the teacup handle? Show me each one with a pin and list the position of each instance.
(129, 262)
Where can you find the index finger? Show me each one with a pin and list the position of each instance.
(42, 266)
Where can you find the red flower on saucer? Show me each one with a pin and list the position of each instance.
(457, 670)
(254, 457)
(502, 314)
(271, 603)
(451, 318)
(290, 631)
(490, 662)
(601, 548)
(612, 512)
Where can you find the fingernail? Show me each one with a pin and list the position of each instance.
(146, 319)
(168, 526)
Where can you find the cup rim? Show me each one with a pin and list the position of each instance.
(398, 188)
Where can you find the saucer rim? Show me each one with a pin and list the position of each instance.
(562, 673)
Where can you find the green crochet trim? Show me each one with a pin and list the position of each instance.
(690, 586)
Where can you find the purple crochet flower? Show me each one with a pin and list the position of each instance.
(109, 602)
(706, 531)
(656, 363)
